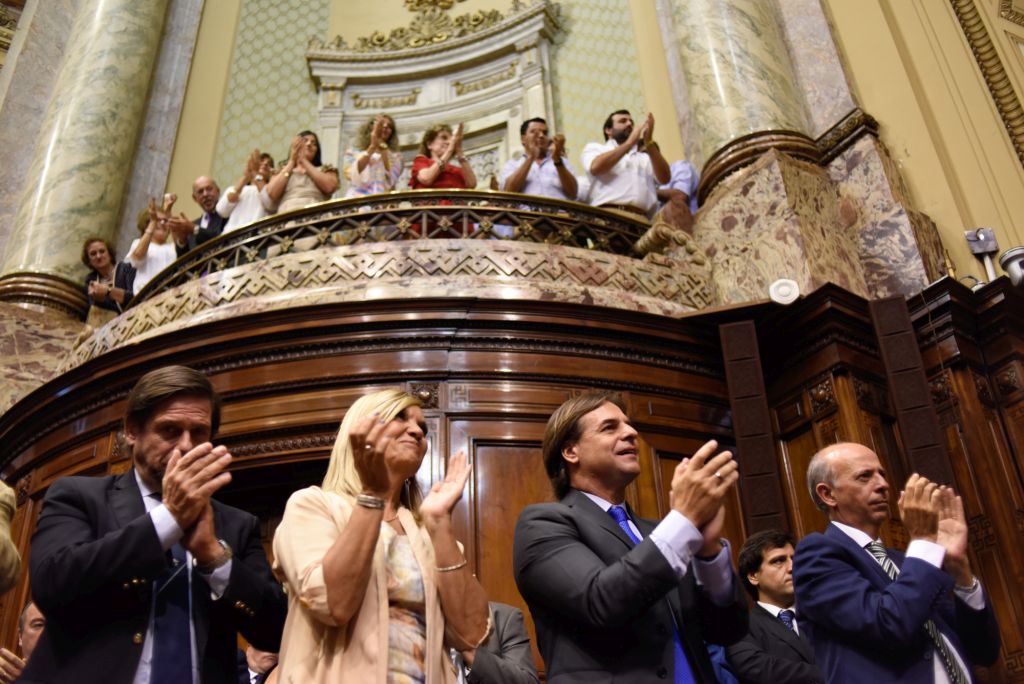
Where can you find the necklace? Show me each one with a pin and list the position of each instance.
(392, 519)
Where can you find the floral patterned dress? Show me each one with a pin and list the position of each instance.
(407, 625)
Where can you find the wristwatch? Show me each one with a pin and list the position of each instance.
(207, 568)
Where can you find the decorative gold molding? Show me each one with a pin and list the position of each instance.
(420, 5)
(992, 69)
(431, 30)
(845, 133)
(506, 74)
(386, 102)
(431, 25)
(1007, 12)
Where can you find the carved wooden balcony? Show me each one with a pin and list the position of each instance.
(418, 244)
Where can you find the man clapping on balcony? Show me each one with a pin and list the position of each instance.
(626, 169)
(543, 169)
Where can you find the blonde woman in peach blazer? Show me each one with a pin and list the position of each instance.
(378, 588)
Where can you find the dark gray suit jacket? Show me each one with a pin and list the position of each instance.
(603, 607)
(505, 658)
(95, 554)
(771, 653)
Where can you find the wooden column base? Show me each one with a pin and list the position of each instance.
(44, 292)
(749, 148)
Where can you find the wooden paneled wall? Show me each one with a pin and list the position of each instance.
(490, 373)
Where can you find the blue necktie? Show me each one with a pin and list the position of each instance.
(683, 673)
(787, 618)
(172, 635)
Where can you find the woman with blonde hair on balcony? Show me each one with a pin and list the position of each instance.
(430, 169)
(304, 179)
(374, 166)
(378, 587)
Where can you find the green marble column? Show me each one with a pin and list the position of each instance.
(81, 161)
(742, 89)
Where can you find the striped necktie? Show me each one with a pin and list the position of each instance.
(953, 669)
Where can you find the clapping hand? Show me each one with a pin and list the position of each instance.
(557, 147)
(919, 508)
(369, 443)
(699, 486)
(441, 499)
(647, 129)
(456, 143)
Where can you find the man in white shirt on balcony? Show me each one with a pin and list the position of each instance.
(626, 170)
(543, 169)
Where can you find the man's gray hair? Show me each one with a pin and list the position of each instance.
(820, 470)
(23, 618)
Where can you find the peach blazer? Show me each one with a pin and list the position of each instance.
(314, 648)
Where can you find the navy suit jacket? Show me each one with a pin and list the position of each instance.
(866, 627)
(95, 554)
(603, 607)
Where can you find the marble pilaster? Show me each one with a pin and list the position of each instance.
(778, 218)
(738, 75)
(152, 159)
(26, 83)
(84, 150)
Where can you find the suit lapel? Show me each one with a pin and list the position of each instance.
(862, 557)
(126, 499)
(783, 634)
(593, 513)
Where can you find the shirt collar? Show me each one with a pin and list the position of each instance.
(605, 505)
(861, 538)
(773, 609)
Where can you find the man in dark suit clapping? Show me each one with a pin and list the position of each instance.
(775, 651)
(615, 597)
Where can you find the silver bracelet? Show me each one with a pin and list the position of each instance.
(369, 501)
(453, 568)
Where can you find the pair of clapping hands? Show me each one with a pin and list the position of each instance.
(699, 487)
(935, 513)
(188, 483)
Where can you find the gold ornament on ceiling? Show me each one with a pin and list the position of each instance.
(420, 5)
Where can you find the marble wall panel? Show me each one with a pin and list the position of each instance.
(816, 64)
(32, 346)
(152, 160)
(43, 31)
(898, 247)
(778, 218)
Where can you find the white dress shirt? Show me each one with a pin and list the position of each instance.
(542, 179)
(631, 181)
(679, 540)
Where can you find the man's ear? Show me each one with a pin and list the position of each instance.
(824, 492)
(131, 433)
(571, 454)
(753, 578)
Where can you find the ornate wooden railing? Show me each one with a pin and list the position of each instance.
(409, 215)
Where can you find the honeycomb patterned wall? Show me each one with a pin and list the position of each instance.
(594, 71)
(270, 96)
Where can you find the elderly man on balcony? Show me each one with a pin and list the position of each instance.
(626, 170)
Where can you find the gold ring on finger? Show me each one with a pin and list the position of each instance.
(718, 474)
